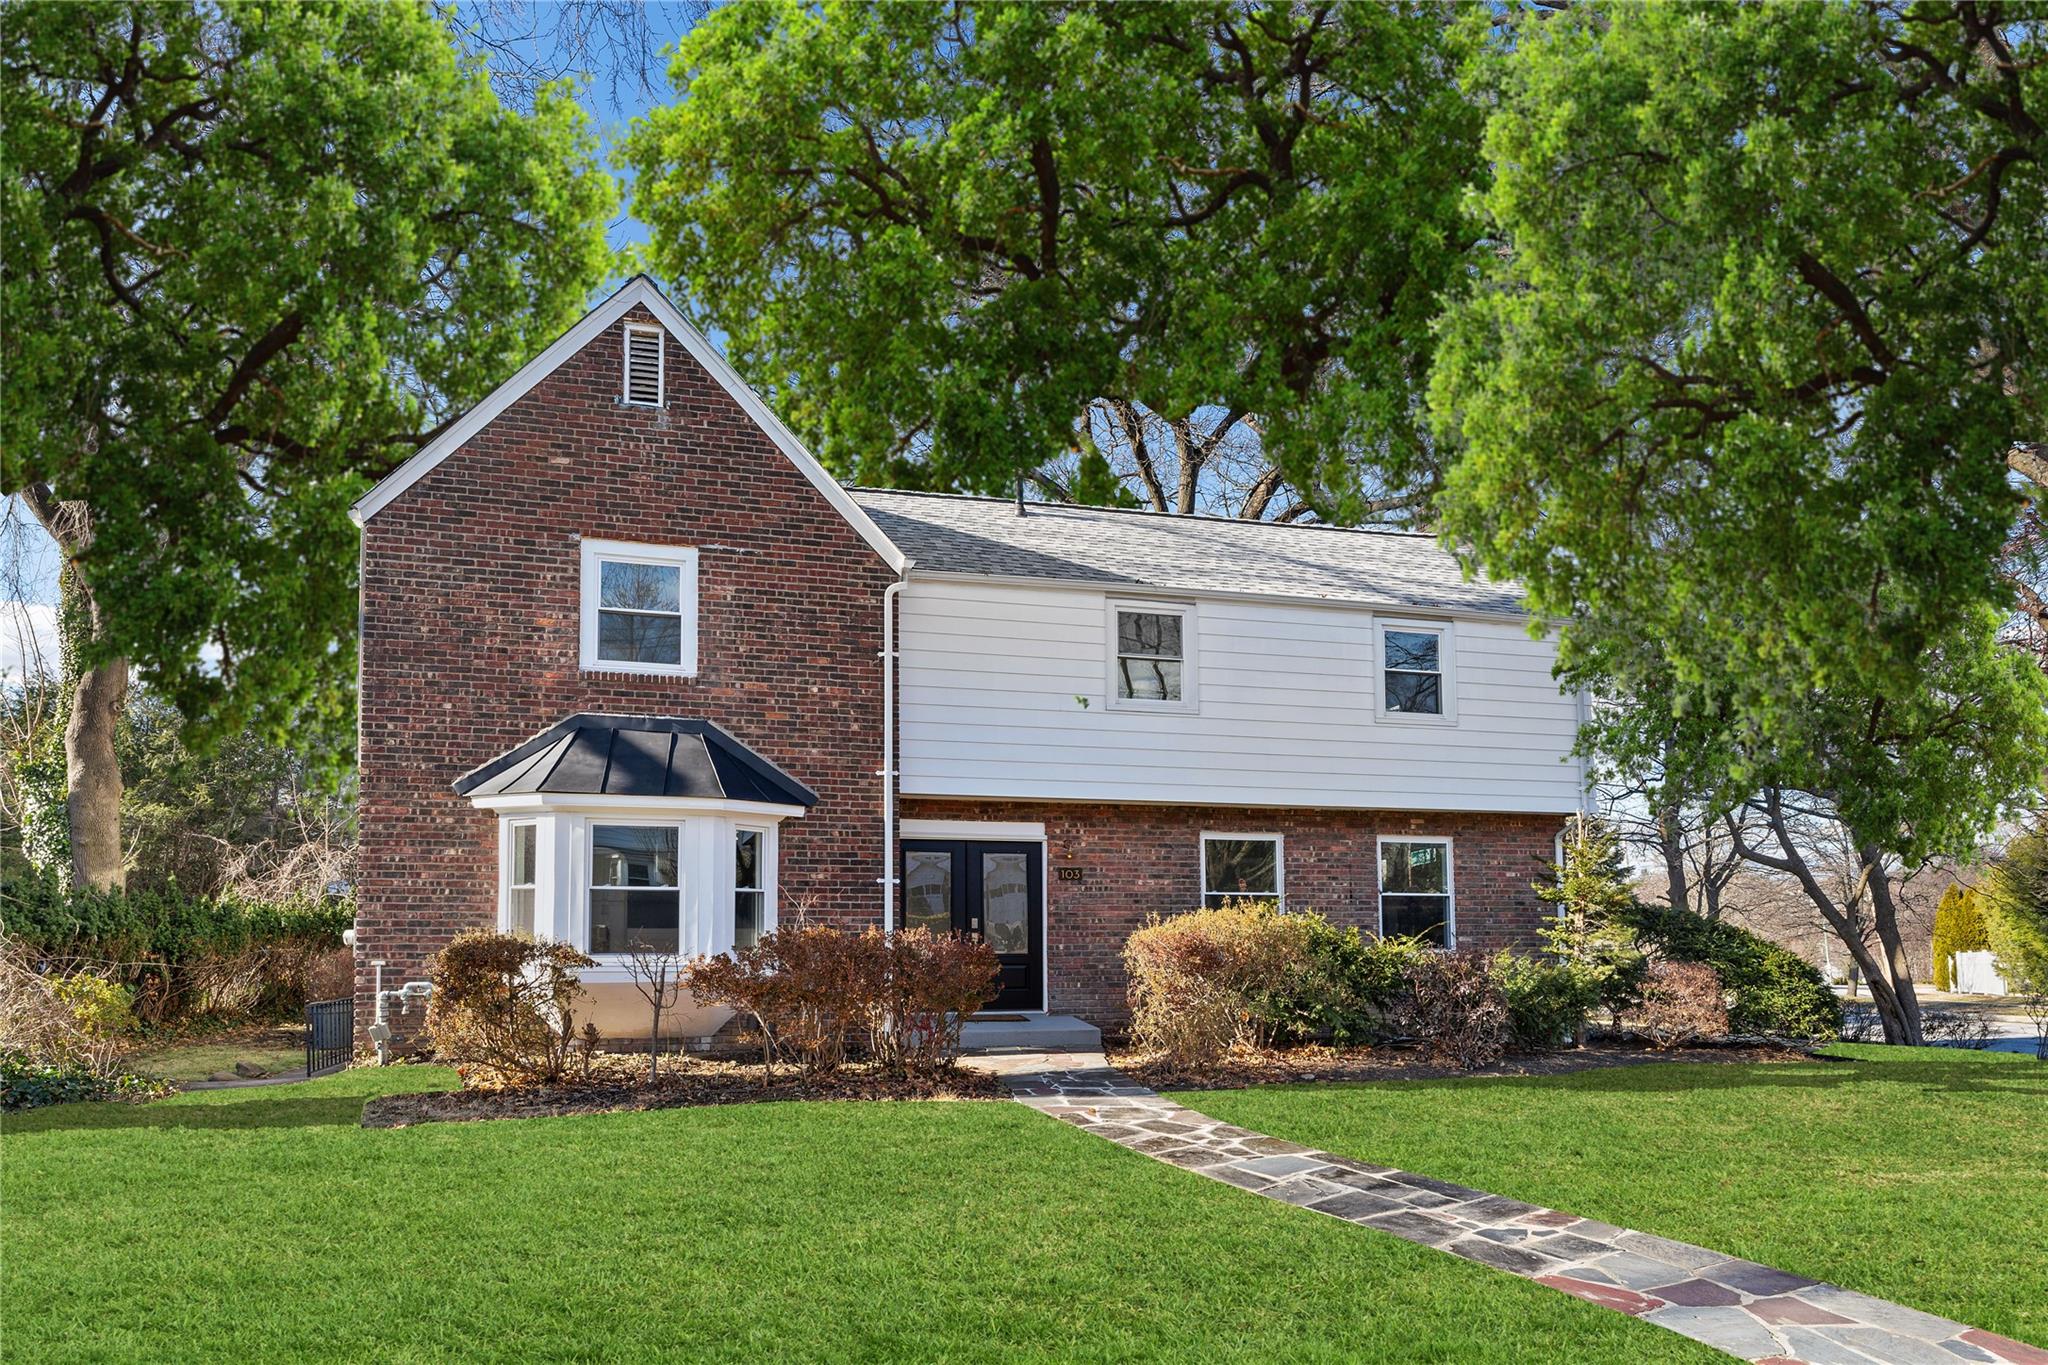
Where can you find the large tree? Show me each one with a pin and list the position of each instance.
(1747, 376)
(252, 257)
(965, 243)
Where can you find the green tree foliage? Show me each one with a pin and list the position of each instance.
(1589, 937)
(253, 254)
(1765, 325)
(1739, 388)
(2015, 900)
(941, 231)
(1958, 928)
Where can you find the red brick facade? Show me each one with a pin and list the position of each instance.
(1135, 860)
(470, 640)
(471, 588)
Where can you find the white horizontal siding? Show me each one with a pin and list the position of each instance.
(993, 678)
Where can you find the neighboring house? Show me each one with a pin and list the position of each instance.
(626, 679)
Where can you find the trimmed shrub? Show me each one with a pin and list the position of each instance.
(1549, 1003)
(1207, 981)
(1771, 990)
(1681, 1002)
(503, 1009)
(1457, 1009)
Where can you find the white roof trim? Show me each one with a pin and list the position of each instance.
(641, 291)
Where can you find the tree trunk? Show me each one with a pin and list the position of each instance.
(1900, 976)
(92, 770)
(1671, 837)
(92, 807)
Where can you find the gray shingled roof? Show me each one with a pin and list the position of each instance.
(966, 535)
(594, 755)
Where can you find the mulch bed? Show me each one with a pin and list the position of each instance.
(685, 1082)
(1406, 1063)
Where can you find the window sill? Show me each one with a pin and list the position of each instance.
(641, 670)
(1417, 718)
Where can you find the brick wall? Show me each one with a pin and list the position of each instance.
(471, 583)
(1138, 859)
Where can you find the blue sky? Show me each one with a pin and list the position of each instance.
(27, 556)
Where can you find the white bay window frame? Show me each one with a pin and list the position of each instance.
(706, 833)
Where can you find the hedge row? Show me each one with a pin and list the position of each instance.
(163, 925)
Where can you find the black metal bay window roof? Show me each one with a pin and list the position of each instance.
(637, 756)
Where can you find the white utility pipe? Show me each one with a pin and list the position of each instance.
(888, 771)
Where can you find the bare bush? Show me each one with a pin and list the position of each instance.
(70, 1019)
(1456, 1007)
(503, 1009)
(931, 987)
(1200, 982)
(812, 991)
(1680, 1002)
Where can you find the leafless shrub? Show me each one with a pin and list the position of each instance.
(1457, 1008)
(1681, 1002)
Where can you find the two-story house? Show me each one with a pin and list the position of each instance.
(637, 672)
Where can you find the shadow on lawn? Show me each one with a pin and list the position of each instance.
(332, 1111)
(1826, 1073)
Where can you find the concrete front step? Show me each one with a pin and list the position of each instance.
(1032, 1032)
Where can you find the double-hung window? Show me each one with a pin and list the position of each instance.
(639, 608)
(749, 887)
(1241, 867)
(1415, 671)
(1152, 656)
(522, 874)
(1415, 890)
(636, 898)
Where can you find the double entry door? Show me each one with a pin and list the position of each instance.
(991, 891)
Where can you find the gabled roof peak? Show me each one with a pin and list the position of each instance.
(639, 291)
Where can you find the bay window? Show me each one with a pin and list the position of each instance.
(749, 887)
(636, 902)
(521, 874)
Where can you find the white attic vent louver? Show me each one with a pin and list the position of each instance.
(644, 366)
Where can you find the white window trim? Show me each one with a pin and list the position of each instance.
(1379, 877)
(660, 365)
(683, 557)
(588, 869)
(767, 888)
(1190, 701)
(1279, 843)
(506, 833)
(1447, 669)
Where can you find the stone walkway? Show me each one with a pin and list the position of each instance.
(1748, 1310)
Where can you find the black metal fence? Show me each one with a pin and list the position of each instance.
(330, 1035)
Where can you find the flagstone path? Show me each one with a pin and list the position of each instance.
(1750, 1311)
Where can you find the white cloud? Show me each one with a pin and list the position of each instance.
(28, 639)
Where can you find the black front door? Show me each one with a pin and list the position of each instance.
(991, 891)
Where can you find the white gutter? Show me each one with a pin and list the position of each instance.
(887, 772)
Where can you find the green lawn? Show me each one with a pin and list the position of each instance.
(264, 1224)
(197, 1061)
(1917, 1175)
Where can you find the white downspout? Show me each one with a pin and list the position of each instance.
(888, 768)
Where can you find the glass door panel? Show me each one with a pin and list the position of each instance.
(1006, 902)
